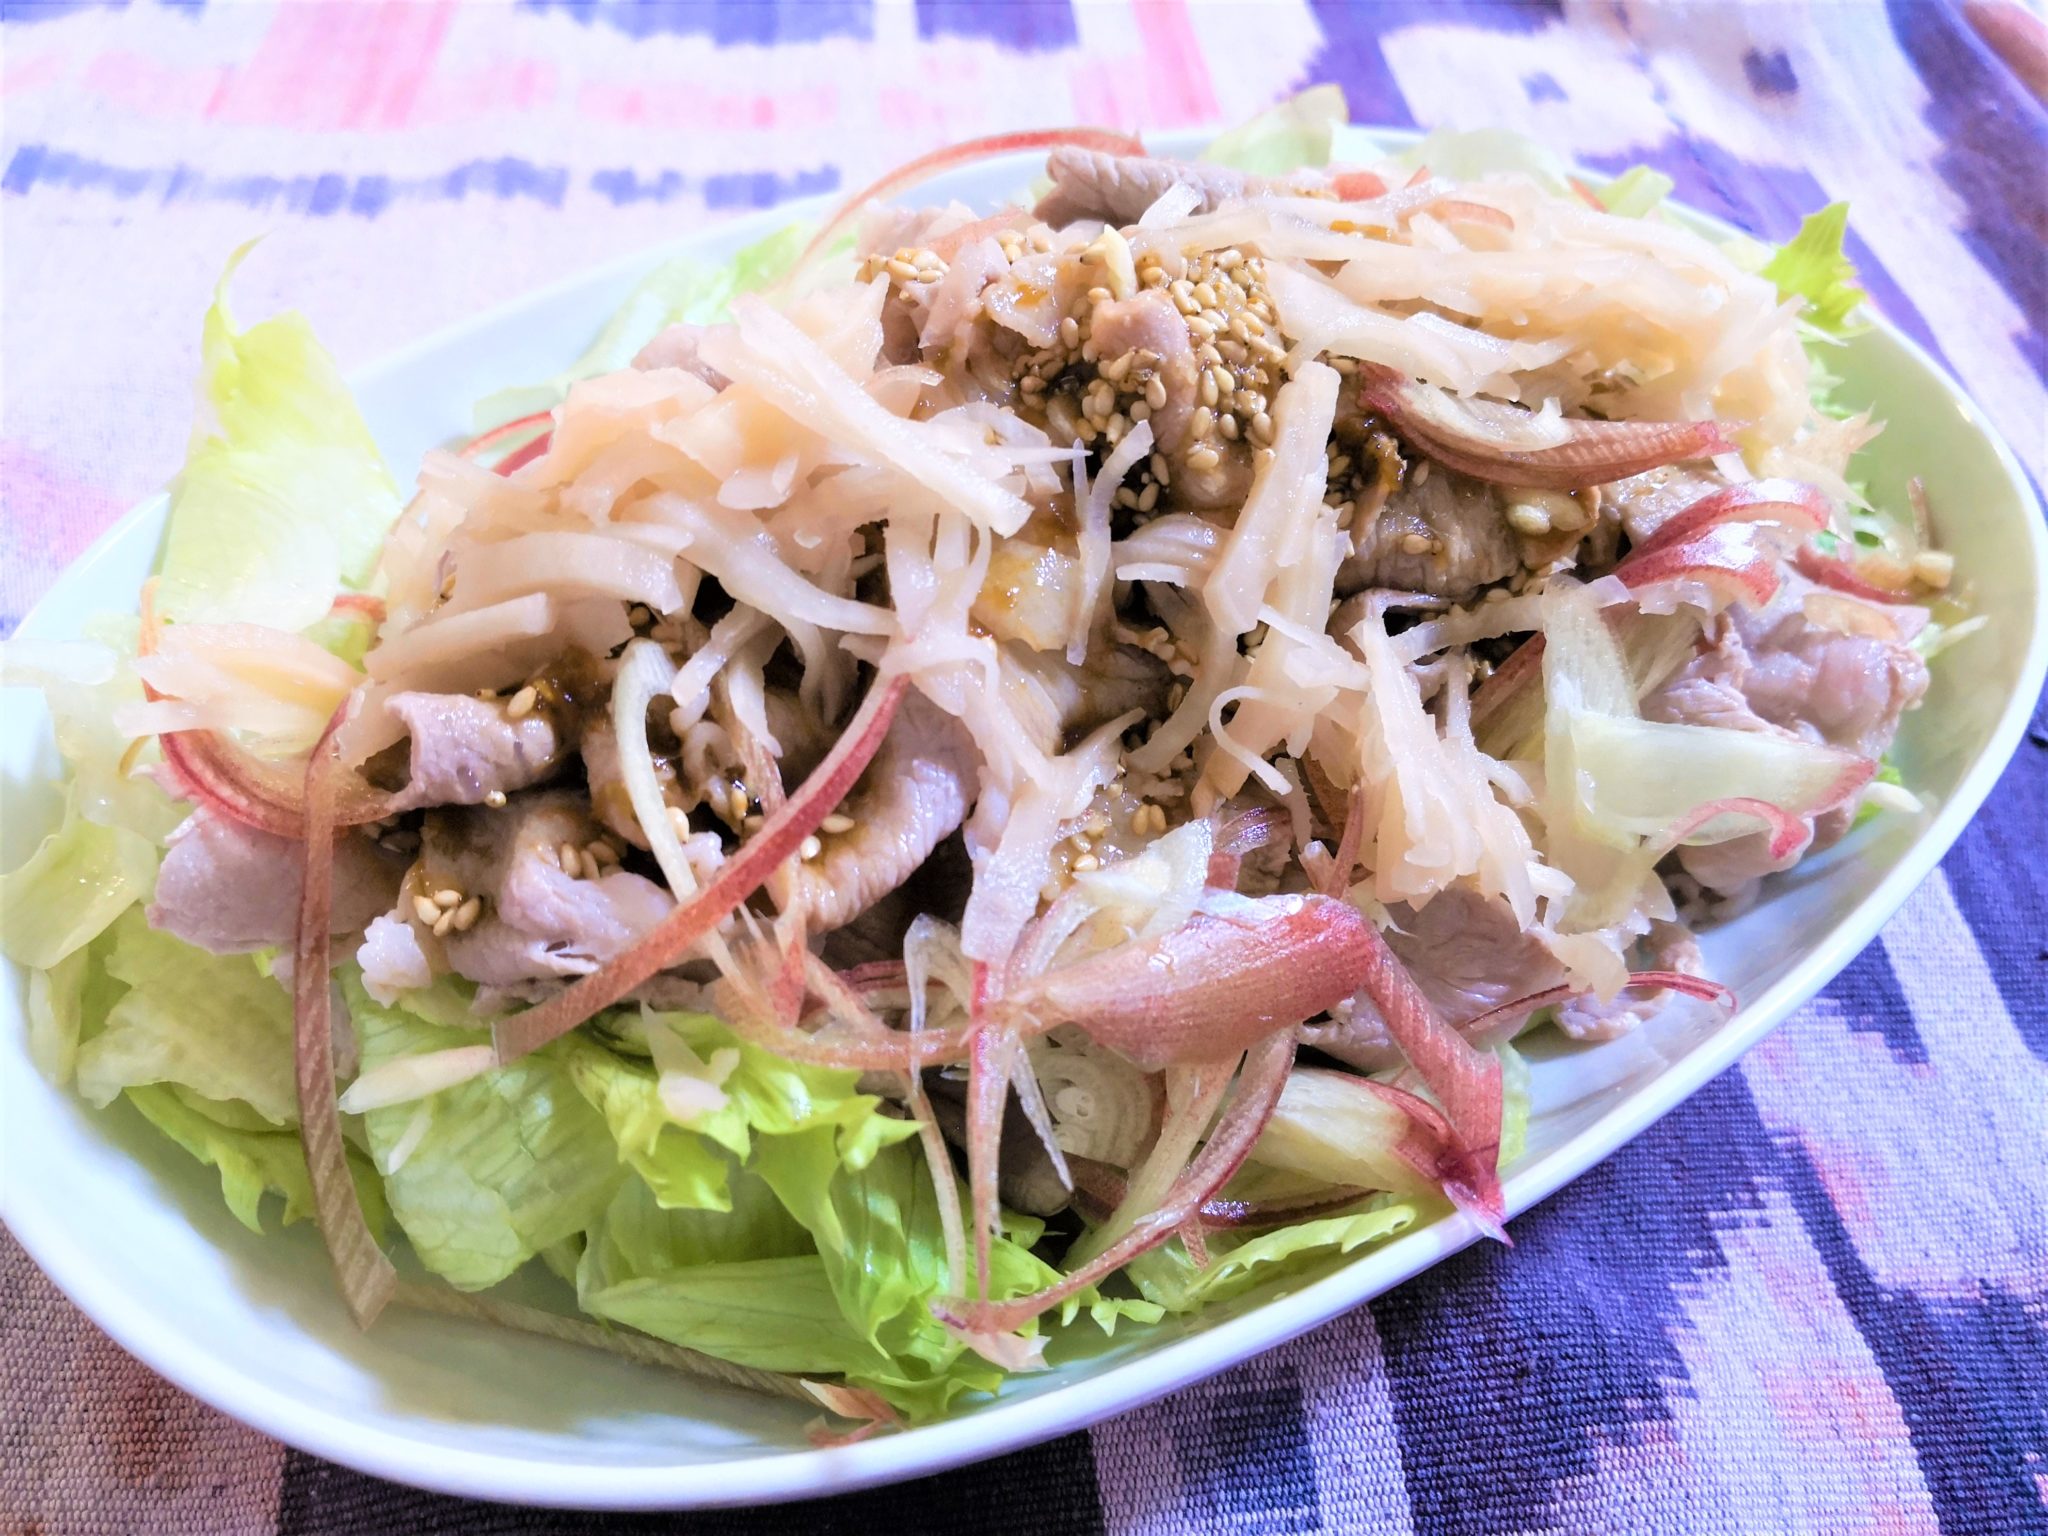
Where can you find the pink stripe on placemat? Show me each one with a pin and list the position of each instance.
(337, 64)
(1176, 74)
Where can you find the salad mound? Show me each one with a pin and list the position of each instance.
(964, 782)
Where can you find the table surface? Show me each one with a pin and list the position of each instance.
(1813, 1299)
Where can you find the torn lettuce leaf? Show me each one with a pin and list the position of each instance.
(1812, 267)
(510, 1162)
(73, 887)
(1171, 1280)
(686, 288)
(762, 1094)
(1295, 134)
(1485, 152)
(252, 1162)
(1635, 193)
(211, 1023)
(284, 498)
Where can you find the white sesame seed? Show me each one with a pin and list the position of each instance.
(1204, 458)
(1527, 518)
(570, 859)
(1415, 543)
(467, 914)
(1421, 475)
(679, 819)
(837, 823)
(424, 909)
(446, 898)
(495, 799)
(523, 702)
(1211, 391)
(1227, 424)
(1203, 423)
(1070, 331)
(1085, 863)
(1155, 393)
(810, 848)
(443, 923)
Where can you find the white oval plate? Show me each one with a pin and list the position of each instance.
(136, 1233)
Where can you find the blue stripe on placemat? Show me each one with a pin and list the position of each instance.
(1513, 1369)
(1966, 1373)
(1022, 26)
(1049, 1488)
(318, 194)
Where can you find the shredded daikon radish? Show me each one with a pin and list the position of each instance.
(1095, 542)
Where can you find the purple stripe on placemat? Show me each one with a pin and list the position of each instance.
(1246, 1465)
(1022, 26)
(1996, 135)
(725, 22)
(1049, 1488)
(1350, 57)
(1568, 1337)
(2000, 881)
(1966, 1374)
(1868, 993)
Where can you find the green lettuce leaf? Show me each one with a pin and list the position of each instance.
(1487, 152)
(253, 1161)
(83, 682)
(765, 1094)
(1514, 1106)
(685, 288)
(78, 881)
(1812, 266)
(745, 1284)
(769, 1095)
(774, 1314)
(284, 499)
(1170, 1279)
(510, 1163)
(68, 1004)
(211, 1023)
(1635, 193)
(1294, 134)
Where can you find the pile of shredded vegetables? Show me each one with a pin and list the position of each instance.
(1281, 787)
